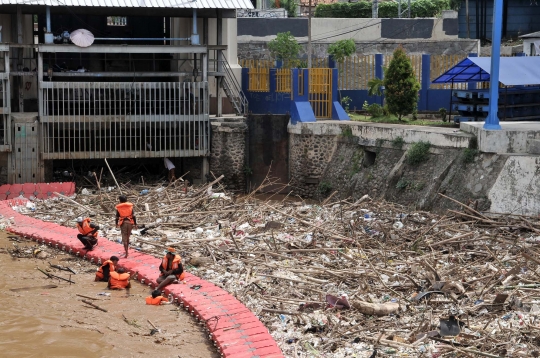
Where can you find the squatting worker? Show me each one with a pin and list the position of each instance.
(88, 233)
(171, 269)
(125, 219)
(156, 299)
(170, 167)
(104, 271)
(119, 280)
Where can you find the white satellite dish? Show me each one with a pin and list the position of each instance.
(82, 37)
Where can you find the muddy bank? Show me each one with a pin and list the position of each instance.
(54, 322)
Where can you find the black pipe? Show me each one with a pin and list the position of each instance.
(477, 13)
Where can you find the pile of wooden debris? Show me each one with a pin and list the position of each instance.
(343, 278)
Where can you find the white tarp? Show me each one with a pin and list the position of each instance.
(513, 71)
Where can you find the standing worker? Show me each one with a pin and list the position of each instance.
(125, 219)
(88, 233)
(104, 271)
(171, 269)
(170, 166)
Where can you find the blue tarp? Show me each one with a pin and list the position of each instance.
(513, 71)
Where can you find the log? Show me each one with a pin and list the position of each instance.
(95, 306)
(376, 309)
(32, 288)
(118, 186)
(90, 298)
(53, 276)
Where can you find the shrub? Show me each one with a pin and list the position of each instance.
(418, 153)
(345, 102)
(442, 113)
(469, 155)
(375, 110)
(387, 9)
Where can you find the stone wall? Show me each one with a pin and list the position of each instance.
(228, 152)
(259, 49)
(309, 156)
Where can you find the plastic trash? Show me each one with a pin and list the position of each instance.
(144, 192)
(398, 225)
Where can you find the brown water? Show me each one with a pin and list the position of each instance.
(54, 322)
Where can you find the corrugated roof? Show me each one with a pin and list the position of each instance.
(197, 4)
(513, 71)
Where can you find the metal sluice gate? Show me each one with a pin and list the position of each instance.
(85, 120)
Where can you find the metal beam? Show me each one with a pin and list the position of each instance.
(122, 49)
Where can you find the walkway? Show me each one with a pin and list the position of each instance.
(235, 330)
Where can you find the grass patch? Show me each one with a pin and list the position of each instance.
(393, 120)
(418, 153)
(398, 142)
(356, 161)
(325, 188)
(469, 155)
(346, 132)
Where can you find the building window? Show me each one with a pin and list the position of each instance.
(116, 21)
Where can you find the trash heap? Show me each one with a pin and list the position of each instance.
(343, 278)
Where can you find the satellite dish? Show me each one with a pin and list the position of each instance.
(82, 37)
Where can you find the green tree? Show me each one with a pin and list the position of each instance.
(284, 47)
(400, 85)
(342, 49)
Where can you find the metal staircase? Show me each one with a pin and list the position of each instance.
(232, 88)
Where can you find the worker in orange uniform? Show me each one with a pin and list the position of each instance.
(157, 299)
(126, 220)
(171, 269)
(104, 271)
(119, 280)
(88, 233)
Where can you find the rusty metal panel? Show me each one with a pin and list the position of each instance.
(25, 156)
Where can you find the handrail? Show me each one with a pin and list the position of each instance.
(232, 83)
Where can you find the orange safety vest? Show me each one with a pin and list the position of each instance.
(85, 229)
(126, 212)
(155, 301)
(175, 264)
(118, 280)
(99, 273)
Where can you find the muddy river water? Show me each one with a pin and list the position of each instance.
(40, 320)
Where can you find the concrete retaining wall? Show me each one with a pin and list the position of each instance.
(355, 159)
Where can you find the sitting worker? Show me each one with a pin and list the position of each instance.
(104, 271)
(88, 233)
(156, 299)
(119, 280)
(171, 269)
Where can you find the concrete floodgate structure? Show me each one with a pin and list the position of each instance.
(234, 329)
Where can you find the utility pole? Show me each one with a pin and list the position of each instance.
(375, 9)
(309, 37)
(492, 120)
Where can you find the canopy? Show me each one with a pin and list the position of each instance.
(513, 71)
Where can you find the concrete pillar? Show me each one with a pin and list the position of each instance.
(205, 169)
